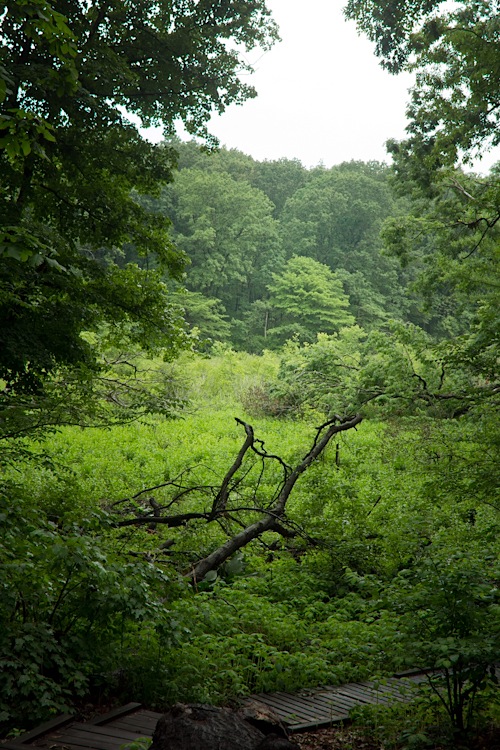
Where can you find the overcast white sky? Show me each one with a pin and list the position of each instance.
(322, 96)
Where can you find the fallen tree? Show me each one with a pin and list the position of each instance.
(253, 520)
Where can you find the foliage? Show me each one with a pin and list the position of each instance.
(73, 166)
(451, 232)
(309, 299)
(454, 51)
(385, 555)
(122, 384)
(332, 216)
(205, 315)
(149, 68)
(227, 229)
(377, 518)
(335, 219)
(399, 370)
(68, 602)
(450, 606)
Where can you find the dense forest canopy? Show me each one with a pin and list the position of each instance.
(345, 526)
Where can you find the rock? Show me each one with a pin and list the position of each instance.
(200, 727)
(262, 717)
(276, 742)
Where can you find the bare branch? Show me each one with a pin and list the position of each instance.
(271, 518)
(220, 500)
(323, 436)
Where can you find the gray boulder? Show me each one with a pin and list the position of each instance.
(200, 727)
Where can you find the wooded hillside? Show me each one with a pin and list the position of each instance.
(248, 410)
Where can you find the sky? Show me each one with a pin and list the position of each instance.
(322, 96)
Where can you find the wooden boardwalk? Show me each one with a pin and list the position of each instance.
(321, 707)
(110, 731)
(326, 705)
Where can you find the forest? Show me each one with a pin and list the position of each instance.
(248, 409)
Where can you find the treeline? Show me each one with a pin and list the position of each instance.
(277, 251)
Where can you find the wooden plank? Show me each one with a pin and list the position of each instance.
(289, 716)
(319, 718)
(307, 700)
(339, 707)
(334, 697)
(357, 694)
(353, 698)
(142, 722)
(396, 692)
(390, 684)
(47, 726)
(151, 714)
(145, 725)
(323, 715)
(376, 696)
(89, 738)
(72, 746)
(330, 704)
(86, 741)
(134, 719)
(114, 714)
(89, 742)
(348, 693)
(320, 724)
(296, 704)
(287, 711)
(139, 716)
(321, 707)
(105, 731)
(278, 704)
(343, 703)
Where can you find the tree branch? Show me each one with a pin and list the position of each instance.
(254, 530)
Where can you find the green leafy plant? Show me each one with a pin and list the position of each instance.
(449, 607)
(141, 743)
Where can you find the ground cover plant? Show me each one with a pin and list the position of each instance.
(330, 601)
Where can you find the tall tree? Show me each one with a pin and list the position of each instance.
(453, 48)
(227, 229)
(308, 299)
(279, 180)
(453, 117)
(335, 219)
(72, 165)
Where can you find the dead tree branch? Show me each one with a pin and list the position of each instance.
(271, 514)
(323, 436)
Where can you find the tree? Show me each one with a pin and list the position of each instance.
(309, 299)
(279, 180)
(454, 50)
(205, 315)
(450, 236)
(448, 611)
(452, 227)
(399, 370)
(84, 599)
(72, 166)
(335, 219)
(227, 229)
